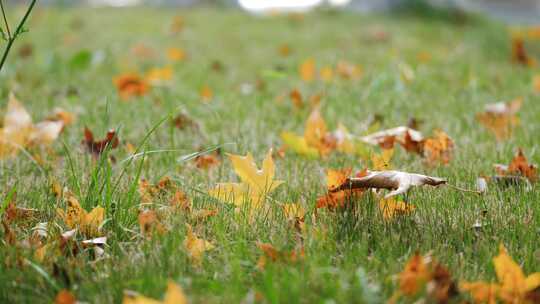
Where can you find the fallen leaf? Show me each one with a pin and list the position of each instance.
(173, 295)
(130, 85)
(348, 70)
(519, 166)
(500, 118)
(438, 149)
(159, 76)
(18, 131)
(338, 195)
(206, 93)
(513, 285)
(149, 223)
(391, 208)
(195, 246)
(307, 70)
(255, 183)
(399, 133)
(97, 147)
(271, 254)
(176, 54)
(65, 297)
(381, 162)
(519, 53)
(398, 181)
(75, 217)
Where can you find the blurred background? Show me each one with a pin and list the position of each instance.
(513, 11)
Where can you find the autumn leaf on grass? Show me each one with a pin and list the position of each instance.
(412, 145)
(59, 114)
(326, 73)
(18, 131)
(519, 166)
(307, 70)
(397, 181)
(183, 121)
(255, 183)
(67, 245)
(176, 54)
(159, 76)
(173, 295)
(154, 192)
(317, 141)
(423, 276)
(512, 286)
(338, 197)
(519, 53)
(381, 162)
(75, 217)
(284, 50)
(208, 161)
(399, 134)
(438, 149)
(130, 85)
(97, 147)
(391, 208)
(206, 93)
(500, 118)
(64, 296)
(273, 255)
(150, 223)
(348, 70)
(195, 246)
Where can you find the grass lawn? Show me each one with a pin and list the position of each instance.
(436, 70)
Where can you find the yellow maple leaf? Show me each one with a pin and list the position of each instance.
(294, 211)
(391, 208)
(88, 223)
(299, 145)
(195, 246)
(381, 162)
(173, 295)
(513, 285)
(256, 183)
(513, 282)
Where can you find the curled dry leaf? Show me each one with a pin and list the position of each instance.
(173, 295)
(97, 147)
(19, 132)
(500, 118)
(398, 133)
(397, 181)
(519, 166)
(130, 85)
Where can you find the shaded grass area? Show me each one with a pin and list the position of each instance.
(469, 68)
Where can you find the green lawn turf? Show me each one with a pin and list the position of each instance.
(469, 68)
